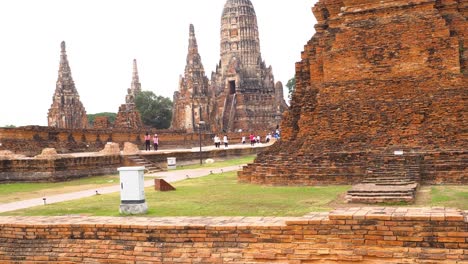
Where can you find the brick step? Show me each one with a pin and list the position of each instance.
(382, 199)
(390, 179)
(388, 193)
(392, 194)
(389, 183)
(149, 166)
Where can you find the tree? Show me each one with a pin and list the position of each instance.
(92, 117)
(155, 111)
(291, 86)
(9, 126)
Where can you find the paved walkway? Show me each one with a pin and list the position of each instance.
(169, 176)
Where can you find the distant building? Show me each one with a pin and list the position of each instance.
(193, 99)
(242, 93)
(128, 116)
(66, 110)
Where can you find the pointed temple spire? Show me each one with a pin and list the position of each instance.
(128, 116)
(191, 101)
(193, 46)
(136, 85)
(66, 110)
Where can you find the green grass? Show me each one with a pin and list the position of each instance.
(11, 192)
(214, 195)
(450, 196)
(219, 164)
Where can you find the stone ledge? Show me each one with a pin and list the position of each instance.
(357, 213)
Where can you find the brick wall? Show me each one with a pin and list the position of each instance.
(59, 169)
(32, 139)
(66, 167)
(436, 167)
(357, 235)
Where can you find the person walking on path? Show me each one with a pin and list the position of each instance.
(243, 140)
(217, 141)
(148, 141)
(155, 142)
(252, 140)
(225, 140)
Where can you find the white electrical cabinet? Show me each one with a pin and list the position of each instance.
(132, 190)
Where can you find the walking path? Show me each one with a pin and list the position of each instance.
(169, 176)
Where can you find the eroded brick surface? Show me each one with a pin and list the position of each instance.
(377, 76)
(361, 235)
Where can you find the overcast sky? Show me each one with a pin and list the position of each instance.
(104, 36)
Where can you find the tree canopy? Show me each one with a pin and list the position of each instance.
(291, 86)
(155, 111)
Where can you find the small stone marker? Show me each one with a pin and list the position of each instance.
(163, 186)
(171, 163)
(132, 190)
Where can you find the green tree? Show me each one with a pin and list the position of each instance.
(291, 86)
(9, 126)
(92, 117)
(156, 111)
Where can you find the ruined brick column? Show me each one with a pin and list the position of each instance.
(193, 99)
(66, 110)
(377, 76)
(128, 116)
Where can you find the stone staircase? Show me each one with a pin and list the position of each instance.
(229, 111)
(389, 179)
(139, 160)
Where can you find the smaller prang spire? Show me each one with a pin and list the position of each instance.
(64, 73)
(66, 110)
(193, 46)
(136, 85)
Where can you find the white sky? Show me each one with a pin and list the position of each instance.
(104, 36)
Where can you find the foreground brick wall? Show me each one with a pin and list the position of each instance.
(357, 235)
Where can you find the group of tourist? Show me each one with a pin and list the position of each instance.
(217, 141)
(148, 140)
(257, 139)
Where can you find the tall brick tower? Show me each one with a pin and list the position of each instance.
(245, 92)
(192, 100)
(128, 116)
(381, 83)
(66, 110)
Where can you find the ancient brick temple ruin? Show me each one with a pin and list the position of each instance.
(192, 101)
(128, 116)
(66, 110)
(381, 92)
(242, 93)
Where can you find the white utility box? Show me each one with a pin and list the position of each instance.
(132, 190)
(171, 163)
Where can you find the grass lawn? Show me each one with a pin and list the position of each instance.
(214, 195)
(12, 192)
(450, 196)
(219, 164)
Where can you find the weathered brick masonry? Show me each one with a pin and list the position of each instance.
(356, 235)
(66, 167)
(32, 139)
(57, 169)
(377, 76)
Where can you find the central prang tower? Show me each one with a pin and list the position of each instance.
(246, 95)
(242, 94)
